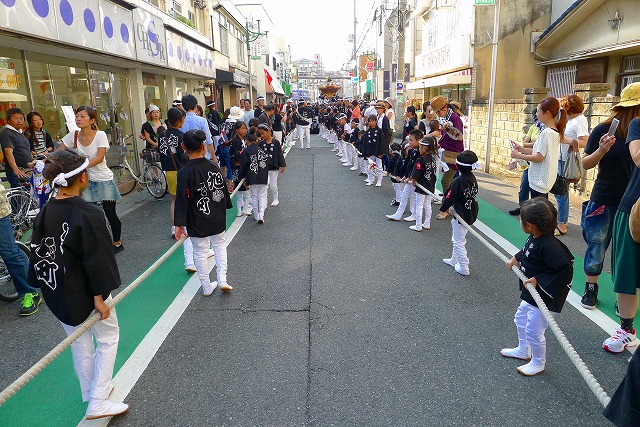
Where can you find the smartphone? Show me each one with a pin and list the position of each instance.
(512, 144)
(613, 127)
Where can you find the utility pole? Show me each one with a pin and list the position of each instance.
(355, 54)
(252, 36)
(401, 13)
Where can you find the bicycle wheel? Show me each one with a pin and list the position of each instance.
(8, 291)
(155, 180)
(20, 203)
(124, 179)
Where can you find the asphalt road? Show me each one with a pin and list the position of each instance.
(340, 317)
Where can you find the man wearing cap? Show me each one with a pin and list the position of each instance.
(451, 141)
(303, 120)
(259, 108)
(214, 121)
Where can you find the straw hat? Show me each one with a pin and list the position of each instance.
(235, 113)
(389, 101)
(456, 105)
(630, 96)
(381, 104)
(438, 103)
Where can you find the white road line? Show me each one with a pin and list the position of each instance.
(137, 363)
(595, 315)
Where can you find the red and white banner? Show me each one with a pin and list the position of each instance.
(273, 80)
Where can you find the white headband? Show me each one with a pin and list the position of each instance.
(61, 179)
(476, 165)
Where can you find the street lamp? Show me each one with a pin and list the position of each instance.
(250, 37)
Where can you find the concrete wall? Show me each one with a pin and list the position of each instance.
(516, 65)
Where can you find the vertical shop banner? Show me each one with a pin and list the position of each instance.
(151, 41)
(36, 17)
(185, 55)
(117, 30)
(79, 23)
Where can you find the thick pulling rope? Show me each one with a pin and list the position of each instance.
(582, 368)
(19, 383)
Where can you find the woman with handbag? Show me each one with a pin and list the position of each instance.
(625, 251)
(611, 155)
(543, 157)
(93, 144)
(575, 137)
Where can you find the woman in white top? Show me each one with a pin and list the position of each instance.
(545, 152)
(575, 137)
(93, 144)
(391, 114)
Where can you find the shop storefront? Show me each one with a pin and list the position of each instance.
(234, 84)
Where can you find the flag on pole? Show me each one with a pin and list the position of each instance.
(273, 81)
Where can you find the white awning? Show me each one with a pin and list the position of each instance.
(444, 80)
(12, 97)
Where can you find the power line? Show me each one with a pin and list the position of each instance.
(364, 37)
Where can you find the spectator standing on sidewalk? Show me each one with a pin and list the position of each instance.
(15, 260)
(575, 137)
(611, 155)
(625, 252)
(16, 147)
(543, 157)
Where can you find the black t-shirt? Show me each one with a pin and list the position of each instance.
(9, 138)
(170, 142)
(277, 122)
(551, 263)
(614, 169)
(424, 172)
(72, 258)
(632, 192)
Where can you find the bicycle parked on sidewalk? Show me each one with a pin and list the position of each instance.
(153, 177)
(24, 209)
(8, 291)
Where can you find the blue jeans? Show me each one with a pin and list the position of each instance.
(597, 226)
(15, 260)
(523, 194)
(563, 201)
(12, 177)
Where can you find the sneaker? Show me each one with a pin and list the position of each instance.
(619, 341)
(450, 261)
(393, 202)
(190, 268)
(260, 221)
(392, 218)
(515, 212)
(530, 369)
(409, 218)
(396, 203)
(275, 203)
(30, 303)
(417, 228)
(105, 408)
(353, 168)
(590, 297)
(368, 184)
(516, 353)
(462, 269)
(207, 291)
(118, 248)
(226, 287)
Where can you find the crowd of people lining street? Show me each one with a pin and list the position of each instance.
(206, 155)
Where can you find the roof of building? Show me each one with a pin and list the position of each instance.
(560, 19)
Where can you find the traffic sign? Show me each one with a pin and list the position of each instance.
(399, 87)
(484, 2)
(350, 73)
(370, 66)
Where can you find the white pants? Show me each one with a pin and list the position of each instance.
(243, 202)
(397, 187)
(187, 249)
(363, 165)
(94, 364)
(459, 240)
(273, 184)
(277, 134)
(531, 326)
(200, 255)
(304, 132)
(378, 166)
(406, 197)
(259, 200)
(422, 206)
(354, 155)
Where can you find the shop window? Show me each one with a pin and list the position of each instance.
(181, 88)
(242, 59)
(13, 83)
(154, 90)
(224, 40)
(57, 82)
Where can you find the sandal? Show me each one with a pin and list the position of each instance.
(559, 232)
(442, 215)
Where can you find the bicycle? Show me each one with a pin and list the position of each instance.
(24, 209)
(8, 291)
(153, 177)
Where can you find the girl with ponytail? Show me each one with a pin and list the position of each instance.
(544, 154)
(73, 263)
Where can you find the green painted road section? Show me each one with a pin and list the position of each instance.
(53, 397)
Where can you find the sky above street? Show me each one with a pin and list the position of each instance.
(320, 27)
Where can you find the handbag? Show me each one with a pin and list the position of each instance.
(634, 222)
(573, 168)
(560, 187)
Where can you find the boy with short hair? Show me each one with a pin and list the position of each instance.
(202, 199)
(407, 196)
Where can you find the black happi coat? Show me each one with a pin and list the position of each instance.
(72, 258)
(202, 199)
(413, 154)
(372, 140)
(425, 172)
(551, 263)
(461, 194)
(275, 156)
(253, 166)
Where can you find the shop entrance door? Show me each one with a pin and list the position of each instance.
(110, 94)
